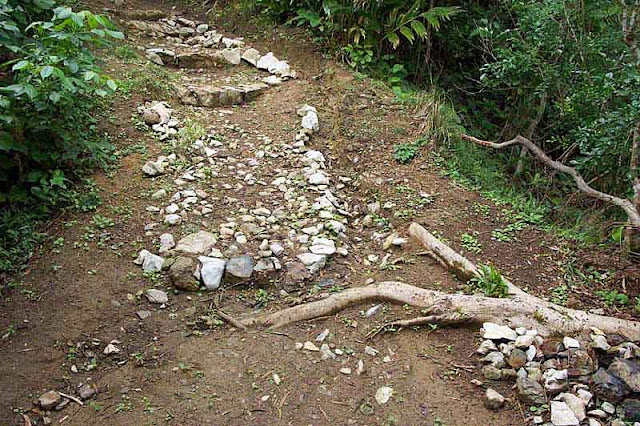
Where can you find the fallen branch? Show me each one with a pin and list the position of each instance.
(231, 320)
(452, 319)
(627, 205)
(72, 398)
(520, 309)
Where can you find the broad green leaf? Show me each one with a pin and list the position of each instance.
(98, 32)
(88, 75)
(54, 97)
(20, 65)
(101, 92)
(112, 85)
(46, 71)
(115, 34)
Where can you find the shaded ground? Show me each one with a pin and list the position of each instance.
(80, 294)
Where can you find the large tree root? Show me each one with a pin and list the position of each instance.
(520, 309)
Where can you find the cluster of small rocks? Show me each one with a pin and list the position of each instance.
(297, 237)
(159, 116)
(581, 382)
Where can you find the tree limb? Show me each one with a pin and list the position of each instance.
(625, 204)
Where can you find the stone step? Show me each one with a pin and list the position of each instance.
(213, 96)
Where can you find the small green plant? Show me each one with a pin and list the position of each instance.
(612, 297)
(103, 222)
(490, 282)
(470, 242)
(405, 152)
(263, 297)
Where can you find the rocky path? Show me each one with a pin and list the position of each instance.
(261, 184)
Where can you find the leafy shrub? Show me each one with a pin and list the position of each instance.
(50, 88)
(47, 99)
(490, 282)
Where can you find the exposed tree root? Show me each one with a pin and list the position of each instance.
(520, 309)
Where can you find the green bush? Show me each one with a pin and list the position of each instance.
(46, 102)
(50, 88)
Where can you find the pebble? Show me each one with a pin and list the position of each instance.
(309, 346)
(49, 400)
(493, 400)
(498, 332)
(383, 394)
(157, 296)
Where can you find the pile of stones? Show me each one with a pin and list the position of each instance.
(193, 44)
(592, 382)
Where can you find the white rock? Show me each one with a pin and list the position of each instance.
(276, 248)
(309, 259)
(173, 219)
(166, 243)
(252, 56)
(325, 352)
(211, 271)
(267, 61)
(486, 346)
(370, 351)
(322, 249)
(303, 110)
(111, 349)
(318, 178)
(323, 335)
(149, 261)
(498, 332)
(311, 122)
(575, 404)
(383, 394)
(561, 414)
(524, 341)
(346, 371)
(570, 343)
(172, 208)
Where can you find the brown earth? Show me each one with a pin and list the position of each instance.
(174, 369)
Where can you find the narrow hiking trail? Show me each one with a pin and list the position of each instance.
(275, 185)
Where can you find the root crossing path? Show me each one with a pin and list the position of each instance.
(255, 186)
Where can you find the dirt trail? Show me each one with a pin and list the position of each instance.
(179, 365)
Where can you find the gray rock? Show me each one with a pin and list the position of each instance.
(86, 391)
(495, 359)
(276, 248)
(530, 392)
(628, 371)
(49, 400)
(173, 219)
(491, 373)
(232, 56)
(493, 400)
(211, 271)
(383, 394)
(252, 56)
(181, 274)
(561, 414)
(498, 332)
(310, 121)
(607, 386)
(202, 28)
(267, 61)
(486, 346)
(153, 168)
(157, 296)
(239, 268)
(143, 314)
(630, 409)
(198, 243)
(599, 341)
(166, 243)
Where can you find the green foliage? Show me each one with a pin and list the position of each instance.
(470, 242)
(405, 152)
(612, 297)
(490, 282)
(46, 100)
(48, 135)
(366, 30)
